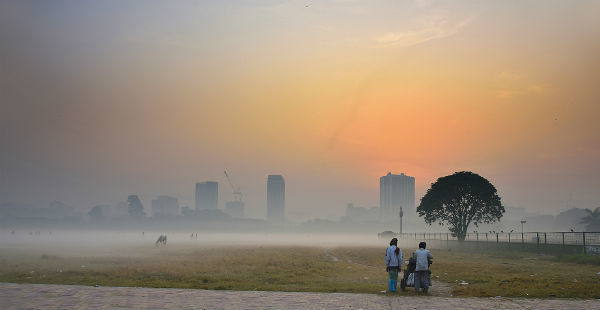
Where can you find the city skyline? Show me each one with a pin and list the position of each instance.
(103, 99)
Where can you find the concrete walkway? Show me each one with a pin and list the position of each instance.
(66, 297)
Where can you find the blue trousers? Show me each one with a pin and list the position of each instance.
(393, 282)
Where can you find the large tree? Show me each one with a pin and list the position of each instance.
(592, 220)
(460, 199)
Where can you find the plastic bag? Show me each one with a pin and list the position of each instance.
(411, 280)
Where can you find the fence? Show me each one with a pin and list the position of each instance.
(541, 242)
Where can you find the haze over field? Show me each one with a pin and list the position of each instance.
(103, 99)
(103, 243)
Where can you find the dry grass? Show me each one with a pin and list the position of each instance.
(241, 268)
(299, 269)
(517, 275)
(511, 274)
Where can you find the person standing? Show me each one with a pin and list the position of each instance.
(422, 258)
(393, 262)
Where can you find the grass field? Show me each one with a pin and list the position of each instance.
(301, 268)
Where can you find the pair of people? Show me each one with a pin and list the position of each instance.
(393, 261)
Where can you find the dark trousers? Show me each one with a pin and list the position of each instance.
(422, 280)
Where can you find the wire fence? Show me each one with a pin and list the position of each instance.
(547, 242)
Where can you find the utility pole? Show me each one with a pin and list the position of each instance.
(401, 214)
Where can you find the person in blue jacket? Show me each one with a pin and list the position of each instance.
(393, 261)
(423, 258)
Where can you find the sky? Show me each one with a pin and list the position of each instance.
(103, 99)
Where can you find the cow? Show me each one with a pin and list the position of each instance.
(162, 240)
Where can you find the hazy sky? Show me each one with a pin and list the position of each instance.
(101, 99)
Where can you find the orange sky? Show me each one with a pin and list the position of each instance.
(104, 100)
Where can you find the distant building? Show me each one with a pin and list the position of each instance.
(207, 196)
(360, 214)
(187, 211)
(165, 205)
(275, 198)
(135, 206)
(395, 191)
(120, 210)
(99, 212)
(235, 208)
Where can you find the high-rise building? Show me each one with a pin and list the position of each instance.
(275, 198)
(207, 195)
(165, 205)
(135, 206)
(395, 191)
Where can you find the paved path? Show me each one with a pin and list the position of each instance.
(67, 297)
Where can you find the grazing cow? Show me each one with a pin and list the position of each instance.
(162, 240)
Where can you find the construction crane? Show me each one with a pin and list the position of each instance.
(237, 194)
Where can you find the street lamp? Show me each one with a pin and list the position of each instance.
(523, 221)
(401, 214)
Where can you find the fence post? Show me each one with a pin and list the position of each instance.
(537, 242)
(563, 237)
(497, 240)
(545, 244)
(522, 237)
(447, 242)
(584, 250)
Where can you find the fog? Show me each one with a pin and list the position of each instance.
(98, 243)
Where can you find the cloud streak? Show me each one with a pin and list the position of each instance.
(431, 27)
(512, 85)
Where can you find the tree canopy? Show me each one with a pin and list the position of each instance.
(460, 199)
(592, 220)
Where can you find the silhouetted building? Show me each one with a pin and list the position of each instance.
(359, 214)
(187, 211)
(120, 210)
(99, 212)
(165, 205)
(275, 198)
(207, 195)
(135, 206)
(235, 208)
(395, 191)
